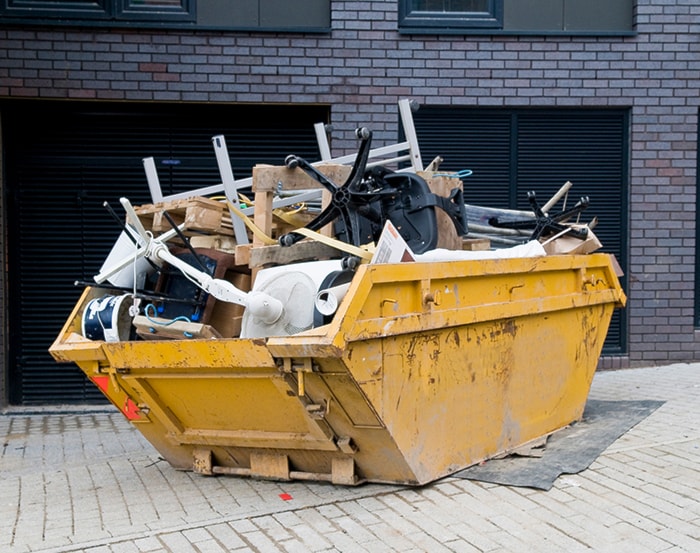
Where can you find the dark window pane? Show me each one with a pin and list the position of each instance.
(450, 5)
(424, 15)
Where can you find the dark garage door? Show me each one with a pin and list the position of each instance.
(512, 152)
(72, 158)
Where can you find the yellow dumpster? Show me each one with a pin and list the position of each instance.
(423, 370)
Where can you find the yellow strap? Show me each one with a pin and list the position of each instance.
(255, 229)
(337, 244)
(291, 217)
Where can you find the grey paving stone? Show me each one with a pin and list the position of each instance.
(74, 482)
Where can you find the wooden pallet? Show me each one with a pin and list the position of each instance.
(198, 215)
(267, 179)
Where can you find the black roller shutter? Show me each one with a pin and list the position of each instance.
(512, 152)
(74, 157)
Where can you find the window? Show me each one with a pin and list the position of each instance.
(155, 9)
(430, 15)
(299, 16)
(101, 10)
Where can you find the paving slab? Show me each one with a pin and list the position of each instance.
(77, 479)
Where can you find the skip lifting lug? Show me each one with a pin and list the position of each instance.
(288, 365)
(316, 410)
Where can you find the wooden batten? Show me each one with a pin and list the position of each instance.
(267, 178)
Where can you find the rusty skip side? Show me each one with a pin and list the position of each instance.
(425, 369)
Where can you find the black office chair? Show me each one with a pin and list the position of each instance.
(360, 206)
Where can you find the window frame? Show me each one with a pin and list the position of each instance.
(126, 9)
(100, 10)
(428, 21)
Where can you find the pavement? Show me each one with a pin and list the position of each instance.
(79, 479)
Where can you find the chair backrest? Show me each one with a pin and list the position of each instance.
(408, 150)
(386, 155)
(229, 185)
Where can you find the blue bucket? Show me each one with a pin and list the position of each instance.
(107, 318)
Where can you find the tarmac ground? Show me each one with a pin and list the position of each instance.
(84, 480)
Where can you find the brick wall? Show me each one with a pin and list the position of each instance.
(364, 66)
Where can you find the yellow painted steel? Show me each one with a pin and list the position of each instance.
(425, 369)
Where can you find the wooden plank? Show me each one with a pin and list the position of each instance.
(306, 250)
(266, 178)
(198, 214)
(263, 215)
(164, 329)
(476, 244)
(220, 242)
(243, 254)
